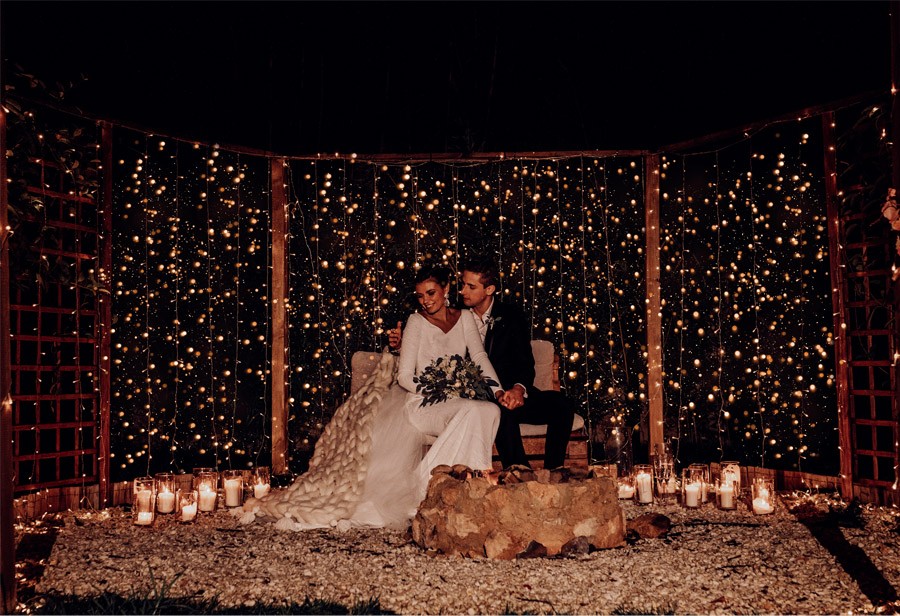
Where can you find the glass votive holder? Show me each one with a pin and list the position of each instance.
(731, 471)
(144, 504)
(726, 494)
(165, 492)
(206, 482)
(140, 481)
(664, 477)
(643, 484)
(187, 505)
(692, 489)
(625, 486)
(763, 494)
(261, 481)
(700, 472)
(233, 484)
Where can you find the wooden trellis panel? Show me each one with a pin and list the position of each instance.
(870, 348)
(53, 336)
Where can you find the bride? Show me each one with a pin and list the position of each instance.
(368, 468)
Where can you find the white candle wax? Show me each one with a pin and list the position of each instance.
(165, 502)
(671, 485)
(144, 518)
(207, 500)
(726, 496)
(692, 495)
(644, 488)
(232, 492)
(761, 506)
(626, 491)
(704, 492)
(189, 512)
(261, 489)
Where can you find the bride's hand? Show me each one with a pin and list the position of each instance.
(395, 336)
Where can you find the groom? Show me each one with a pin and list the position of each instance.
(507, 339)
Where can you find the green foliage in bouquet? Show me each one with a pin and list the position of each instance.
(453, 376)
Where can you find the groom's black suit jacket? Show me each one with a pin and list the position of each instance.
(508, 345)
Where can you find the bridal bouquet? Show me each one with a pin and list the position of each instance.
(453, 376)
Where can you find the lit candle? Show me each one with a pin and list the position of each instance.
(692, 495)
(165, 501)
(644, 487)
(626, 490)
(761, 504)
(726, 496)
(704, 492)
(144, 518)
(207, 498)
(261, 489)
(671, 485)
(189, 512)
(232, 492)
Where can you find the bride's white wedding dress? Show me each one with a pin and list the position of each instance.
(368, 469)
(465, 428)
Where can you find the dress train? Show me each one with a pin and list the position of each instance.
(362, 473)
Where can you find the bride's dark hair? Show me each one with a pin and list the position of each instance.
(438, 272)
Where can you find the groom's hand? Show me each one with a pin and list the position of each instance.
(514, 398)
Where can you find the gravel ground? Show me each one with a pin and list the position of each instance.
(803, 561)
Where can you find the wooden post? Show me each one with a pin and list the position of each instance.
(279, 317)
(895, 183)
(104, 308)
(7, 487)
(654, 319)
(835, 259)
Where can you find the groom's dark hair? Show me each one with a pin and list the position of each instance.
(483, 265)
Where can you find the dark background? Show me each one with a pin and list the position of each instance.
(396, 77)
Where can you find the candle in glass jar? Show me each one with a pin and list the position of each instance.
(189, 512)
(143, 500)
(726, 496)
(232, 492)
(644, 487)
(144, 518)
(761, 504)
(670, 486)
(165, 502)
(626, 490)
(207, 499)
(692, 495)
(261, 489)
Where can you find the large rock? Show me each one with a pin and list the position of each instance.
(468, 515)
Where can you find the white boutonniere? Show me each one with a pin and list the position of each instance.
(490, 320)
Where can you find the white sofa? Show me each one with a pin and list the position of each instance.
(546, 377)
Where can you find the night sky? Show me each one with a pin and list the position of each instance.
(395, 77)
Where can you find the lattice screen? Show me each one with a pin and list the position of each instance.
(53, 327)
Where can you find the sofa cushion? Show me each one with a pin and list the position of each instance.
(543, 364)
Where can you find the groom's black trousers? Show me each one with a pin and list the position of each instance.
(541, 407)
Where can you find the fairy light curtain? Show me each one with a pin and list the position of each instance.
(567, 233)
(190, 332)
(747, 340)
(747, 318)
